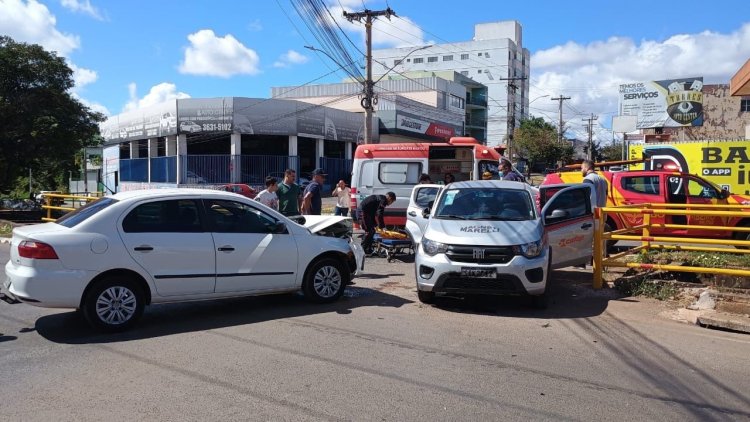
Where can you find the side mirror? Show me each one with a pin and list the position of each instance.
(278, 228)
(426, 212)
(724, 194)
(558, 215)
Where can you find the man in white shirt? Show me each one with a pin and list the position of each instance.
(343, 194)
(600, 183)
(268, 196)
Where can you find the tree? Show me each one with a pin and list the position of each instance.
(611, 152)
(43, 125)
(536, 141)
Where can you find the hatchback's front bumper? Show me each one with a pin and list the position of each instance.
(520, 275)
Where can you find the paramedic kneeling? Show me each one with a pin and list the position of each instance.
(372, 208)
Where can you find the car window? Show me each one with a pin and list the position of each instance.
(425, 197)
(574, 202)
(236, 217)
(648, 185)
(173, 216)
(698, 189)
(399, 173)
(76, 217)
(485, 204)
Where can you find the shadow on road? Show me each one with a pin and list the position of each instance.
(169, 319)
(571, 296)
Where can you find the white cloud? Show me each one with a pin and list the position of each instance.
(160, 93)
(82, 76)
(290, 58)
(211, 55)
(93, 105)
(399, 31)
(31, 22)
(83, 6)
(255, 25)
(591, 73)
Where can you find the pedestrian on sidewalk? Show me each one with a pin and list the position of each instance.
(289, 194)
(312, 201)
(342, 192)
(268, 195)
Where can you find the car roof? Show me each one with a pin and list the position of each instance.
(165, 193)
(494, 184)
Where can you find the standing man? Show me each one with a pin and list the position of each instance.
(289, 194)
(600, 183)
(312, 202)
(507, 173)
(342, 203)
(372, 208)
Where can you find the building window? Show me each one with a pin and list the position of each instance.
(457, 102)
(745, 104)
(419, 60)
(431, 59)
(396, 62)
(465, 72)
(479, 54)
(479, 71)
(487, 55)
(464, 57)
(447, 58)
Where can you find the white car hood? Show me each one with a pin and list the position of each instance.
(483, 232)
(316, 223)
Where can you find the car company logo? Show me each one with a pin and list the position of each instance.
(477, 253)
(566, 242)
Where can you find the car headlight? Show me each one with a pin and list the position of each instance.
(433, 248)
(530, 250)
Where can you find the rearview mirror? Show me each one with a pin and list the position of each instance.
(724, 194)
(558, 215)
(426, 212)
(278, 228)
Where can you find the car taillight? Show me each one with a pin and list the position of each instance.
(36, 250)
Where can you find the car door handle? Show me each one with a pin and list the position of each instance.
(586, 226)
(143, 248)
(413, 213)
(225, 249)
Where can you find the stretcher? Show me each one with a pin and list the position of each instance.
(389, 247)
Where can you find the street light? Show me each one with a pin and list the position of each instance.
(542, 96)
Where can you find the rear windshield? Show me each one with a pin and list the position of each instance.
(79, 215)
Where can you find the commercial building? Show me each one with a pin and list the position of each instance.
(494, 58)
(725, 117)
(215, 141)
(424, 107)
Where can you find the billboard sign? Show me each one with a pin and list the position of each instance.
(667, 103)
(413, 124)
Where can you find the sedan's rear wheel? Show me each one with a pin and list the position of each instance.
(325, 281)
(114, 304)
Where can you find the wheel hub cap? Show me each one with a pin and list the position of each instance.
(327, 281)
(116, 305)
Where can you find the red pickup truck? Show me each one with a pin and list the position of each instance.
(658, 187)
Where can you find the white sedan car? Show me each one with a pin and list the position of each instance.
(120, 253)
(488, 237)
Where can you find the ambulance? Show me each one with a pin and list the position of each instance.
(381, 168)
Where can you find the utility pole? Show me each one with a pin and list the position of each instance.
(560, 99)
(591, 121)
(511, 112)
(369, 100)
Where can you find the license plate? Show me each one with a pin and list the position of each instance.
(478, 273)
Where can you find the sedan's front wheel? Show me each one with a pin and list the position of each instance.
(113, 304)
(325, 281)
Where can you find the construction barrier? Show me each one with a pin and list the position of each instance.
(56, 201)
(643, 233)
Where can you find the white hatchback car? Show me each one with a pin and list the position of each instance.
(488, 237)
(120, 253)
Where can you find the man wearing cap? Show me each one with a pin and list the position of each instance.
(312, 201)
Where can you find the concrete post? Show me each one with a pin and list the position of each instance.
(319, 151)
(171, 145)
(348, 150)
(235, 163)
(293, 152)
(134, 149)
(181, 158)
(153, 151)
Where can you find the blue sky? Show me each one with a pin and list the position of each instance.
(133, 53)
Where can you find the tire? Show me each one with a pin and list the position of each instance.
(609, 245)
(742, 236)
(325, 281)
(426, 297)
(540, 301)
(114, 304)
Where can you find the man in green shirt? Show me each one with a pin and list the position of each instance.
(289, 194)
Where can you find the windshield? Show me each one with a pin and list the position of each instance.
(485, 204)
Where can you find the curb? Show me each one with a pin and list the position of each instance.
(727, 322)
(5, 239)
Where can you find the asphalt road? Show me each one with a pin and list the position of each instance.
(376, 355)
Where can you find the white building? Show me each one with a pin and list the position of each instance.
(495, 58)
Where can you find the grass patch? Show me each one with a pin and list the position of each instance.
(641, 286)
(6, 229)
